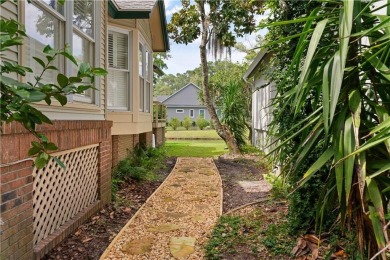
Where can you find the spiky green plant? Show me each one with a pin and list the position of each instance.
(345, 73)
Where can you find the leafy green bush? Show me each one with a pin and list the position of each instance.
(279, 187)
(187, 122)
(141, 165)
(201, 122)
(174, 123)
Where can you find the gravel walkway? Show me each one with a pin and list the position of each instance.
(177, 219)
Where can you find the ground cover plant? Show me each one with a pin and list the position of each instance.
(140, 165)
(255, 232)
(195, 148)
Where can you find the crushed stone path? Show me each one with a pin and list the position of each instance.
(177, 219)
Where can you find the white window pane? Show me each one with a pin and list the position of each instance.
(147, 62)
(141, 60)
(147, 97)
(117, 95)
(141, 93)
(82, 49)
(83, 15)
(43, 29)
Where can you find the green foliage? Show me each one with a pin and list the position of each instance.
(174, 123)
(280, 188)
(334, 96)
(275, 239)
(141, 165)
(17, 97)
(187, 122)
(231, 232)
(234, 111)
(201, 122)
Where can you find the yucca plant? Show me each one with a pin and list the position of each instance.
(234, 110)
(341, 64)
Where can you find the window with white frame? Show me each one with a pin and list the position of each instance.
(145, 77)
(202, 113)
(119, 90)
(48, 22)
(179, 110)
(83, 38)
(45, 24)
(191, 113)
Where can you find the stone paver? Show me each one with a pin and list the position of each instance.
(177, 219)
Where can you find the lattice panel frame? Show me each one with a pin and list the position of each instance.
(59, 194)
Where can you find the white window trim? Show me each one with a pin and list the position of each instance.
(67, 65)
(95, 96)
(146, 47)
(193, 113)
(178, 111)
(204, 112)
(130, 67)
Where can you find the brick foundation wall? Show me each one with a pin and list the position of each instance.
(17, 182)
(122, 146)
(159, 135)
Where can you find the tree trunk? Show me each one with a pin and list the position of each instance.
(222, 130)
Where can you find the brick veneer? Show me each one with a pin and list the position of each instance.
(122, 146)
(17, 182)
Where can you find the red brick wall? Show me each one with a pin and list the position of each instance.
(122, 146)
(159, 135)
(16, 181)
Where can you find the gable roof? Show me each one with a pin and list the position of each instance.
(256, 63)
(187, 96)
(180, 90)
(162, 98)
(144, 9)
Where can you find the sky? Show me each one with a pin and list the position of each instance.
(187, 57)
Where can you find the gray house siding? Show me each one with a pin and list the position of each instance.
(185, 99)
(171, 112)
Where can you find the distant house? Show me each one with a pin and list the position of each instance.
(185, 102)
(263, 92)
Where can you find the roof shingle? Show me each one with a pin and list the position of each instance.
(135, 5)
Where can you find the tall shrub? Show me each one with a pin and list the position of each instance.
(187, 122)
(344, 74)
(174, 123)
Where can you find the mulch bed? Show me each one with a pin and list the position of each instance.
(92, 238)
(239, 169)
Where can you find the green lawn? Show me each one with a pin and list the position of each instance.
(181, 133)
(195, 148)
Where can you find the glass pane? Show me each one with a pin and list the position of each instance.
(43, 29)
(118, 50)
(147, 62)
(83, 52)
(140, 59)
(83, 15)
(117, 95)
(82, 49)
(147, 97)
(201, 113)
(141, 94)
(55, 5)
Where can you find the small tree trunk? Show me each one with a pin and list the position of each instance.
(222, 130)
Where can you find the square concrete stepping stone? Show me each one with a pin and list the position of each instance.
(255, 186)
(182, 246)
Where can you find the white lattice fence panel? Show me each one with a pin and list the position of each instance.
(59, 194)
